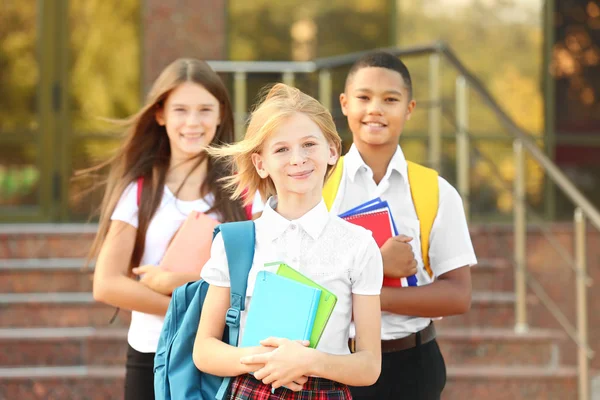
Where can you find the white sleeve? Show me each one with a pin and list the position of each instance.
(450, 245)
(367, 271)
(258, 204)
(216, 269)
(126, 209)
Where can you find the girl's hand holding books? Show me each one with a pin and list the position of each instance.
(288, 365)
(155, 278)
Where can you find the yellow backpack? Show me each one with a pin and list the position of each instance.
(424, 189)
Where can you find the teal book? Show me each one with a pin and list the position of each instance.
(280, 307)
(326, 302)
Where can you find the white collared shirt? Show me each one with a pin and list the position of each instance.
(450, 244)
(336, 254)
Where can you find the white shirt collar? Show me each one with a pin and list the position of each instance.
(313, 222)
(353, 162)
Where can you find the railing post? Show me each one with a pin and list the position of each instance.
(240, 105)
(581, 286)
(463, 161)
(435, 114)
(520, 224)
(288, 78)
(325, 88)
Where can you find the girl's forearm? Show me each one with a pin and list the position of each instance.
(358, 369)
(123, 292)
(215, 357)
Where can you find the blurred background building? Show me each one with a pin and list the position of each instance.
(66, 65)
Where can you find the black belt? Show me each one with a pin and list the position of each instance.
(387, 346)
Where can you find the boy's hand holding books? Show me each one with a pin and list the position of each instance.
(398, 257)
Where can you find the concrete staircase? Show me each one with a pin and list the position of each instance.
(56, 343)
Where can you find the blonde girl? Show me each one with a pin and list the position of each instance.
(290, 148)
(187, 109)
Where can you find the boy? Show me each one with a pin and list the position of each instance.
(377, 102)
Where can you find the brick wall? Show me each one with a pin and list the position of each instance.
(181, 28)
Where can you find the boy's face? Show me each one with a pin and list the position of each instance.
(296, 156)
(377, 105)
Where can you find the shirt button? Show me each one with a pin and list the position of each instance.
(293, 227)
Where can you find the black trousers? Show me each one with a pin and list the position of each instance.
(139, 375)
(413, 374)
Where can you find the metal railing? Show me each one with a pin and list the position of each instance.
(523, 144)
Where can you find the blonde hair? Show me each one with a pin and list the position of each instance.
(280, 103)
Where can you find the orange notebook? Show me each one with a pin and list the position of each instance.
(190, 248)
(380, 224)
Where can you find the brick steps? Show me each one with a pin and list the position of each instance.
(62, 346)
(488, 309)
(57, 310)
(493, 346)
(510, 383)
(56, 343)
(62, 383)
(497, 383)
(45, 275)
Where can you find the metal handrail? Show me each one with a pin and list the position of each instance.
(559, 178)
(439, 47)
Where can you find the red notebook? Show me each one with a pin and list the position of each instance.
(380, 224)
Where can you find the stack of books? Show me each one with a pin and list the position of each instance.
(288, 305)
(376, 216)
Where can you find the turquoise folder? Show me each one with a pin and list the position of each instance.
(280, 307)
(326, 302)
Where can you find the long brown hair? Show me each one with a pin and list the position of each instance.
(146, 153)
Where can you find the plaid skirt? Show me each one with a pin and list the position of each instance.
(246, 387)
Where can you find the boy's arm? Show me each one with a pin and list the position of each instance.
(449, 294)
(450, 255)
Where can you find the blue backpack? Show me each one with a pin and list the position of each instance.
(175, 374)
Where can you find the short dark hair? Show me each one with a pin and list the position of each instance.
(382, 59)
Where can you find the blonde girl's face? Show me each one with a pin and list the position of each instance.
(295, 156)
(191, 115)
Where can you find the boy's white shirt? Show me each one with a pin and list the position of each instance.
(450, 244)
(145, 329)
(338, 255)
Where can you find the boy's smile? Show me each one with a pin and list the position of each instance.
(377, 105)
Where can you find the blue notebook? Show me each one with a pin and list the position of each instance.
(280, 307)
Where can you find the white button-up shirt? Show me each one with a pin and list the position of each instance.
(450, 244)
(336, 254)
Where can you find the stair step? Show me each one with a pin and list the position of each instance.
(62, 346)
(45, 240)
(488, 309)
(69, 382)
(510, 383)
(30, 310)
(492, 274)
(500, 346)
(45, 275)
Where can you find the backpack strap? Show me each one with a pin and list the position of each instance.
(333, 184)
(425, 192)
(239, 240)
(139, 187)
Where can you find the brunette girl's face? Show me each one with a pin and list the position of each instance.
(191, 115)
(295, 156)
